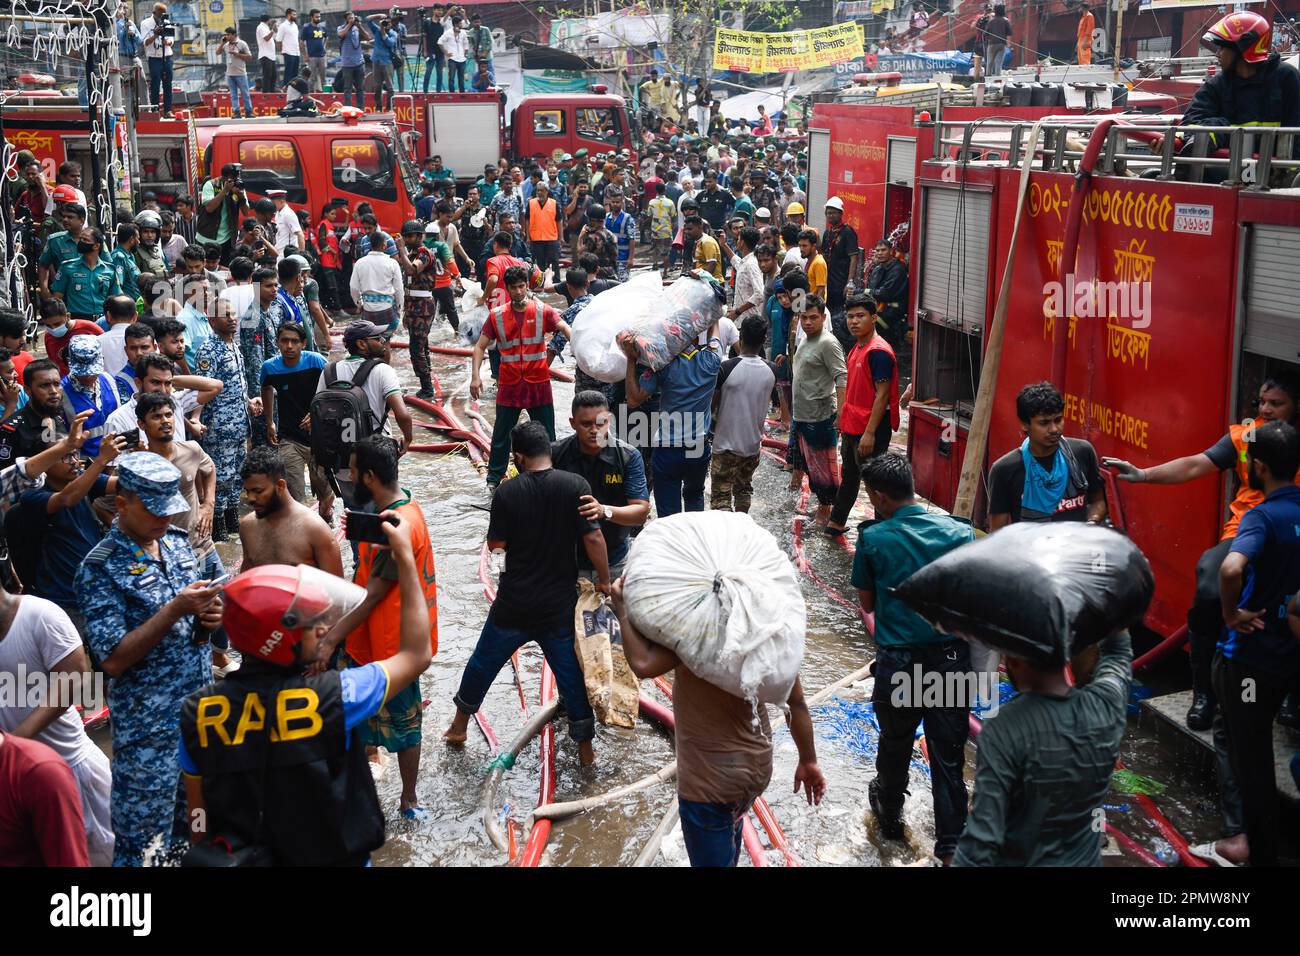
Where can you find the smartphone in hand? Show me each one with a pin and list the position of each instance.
(365, 526)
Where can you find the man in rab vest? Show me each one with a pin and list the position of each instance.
(274, 760)
(1279, 397)
(519, 328)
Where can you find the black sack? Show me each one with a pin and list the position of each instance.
(1041, 591)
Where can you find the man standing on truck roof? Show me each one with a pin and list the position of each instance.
(455, 46)
(352, 75)
(480, 45)
(288, 37)
(312, 36)
(265, 33)
(434, 59)
(222, 204)
(159, 34)
(1253, 87)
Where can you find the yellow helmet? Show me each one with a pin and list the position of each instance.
(794, 209)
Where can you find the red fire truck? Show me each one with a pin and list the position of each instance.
(1212, 276)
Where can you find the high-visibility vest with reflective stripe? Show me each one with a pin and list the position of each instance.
(1246, 497)
(521, 342)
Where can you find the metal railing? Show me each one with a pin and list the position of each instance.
(1153, 147)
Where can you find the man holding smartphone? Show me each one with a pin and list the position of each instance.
(372, 628)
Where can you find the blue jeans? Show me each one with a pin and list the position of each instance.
(679, 478)
(239, 93)
(160, 76)
(494, 647)
(711, 831)
(291, 68)
(433, 68)
(455, 76)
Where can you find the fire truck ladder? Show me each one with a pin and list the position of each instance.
(1150, 147)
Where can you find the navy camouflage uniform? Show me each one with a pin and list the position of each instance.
(258, 328)
(120, 586)
(225, 417)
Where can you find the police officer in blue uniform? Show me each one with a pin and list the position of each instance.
(226, 416)
(147, 620)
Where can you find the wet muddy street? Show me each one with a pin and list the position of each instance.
(838, 832)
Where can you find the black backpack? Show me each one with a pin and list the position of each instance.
(341, 416)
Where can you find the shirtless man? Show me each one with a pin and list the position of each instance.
(280, 530)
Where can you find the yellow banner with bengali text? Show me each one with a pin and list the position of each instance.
(744, 52)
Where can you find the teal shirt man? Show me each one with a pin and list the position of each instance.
(128, 271)
(84, 288)
(59, 248)
(889, 551)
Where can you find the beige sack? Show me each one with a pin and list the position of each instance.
(612, 688)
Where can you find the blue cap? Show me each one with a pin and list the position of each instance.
(155, 479)
(85, 357)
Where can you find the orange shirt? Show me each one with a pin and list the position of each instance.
(379, 637)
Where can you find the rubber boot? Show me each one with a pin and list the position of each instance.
(218, 526)
(888, 818)
(426, 391)
(232, 521)
(1200, 716)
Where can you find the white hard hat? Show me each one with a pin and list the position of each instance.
(835, 202)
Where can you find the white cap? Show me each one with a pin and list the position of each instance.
(762, 212)
(835, 202)
(432, 229)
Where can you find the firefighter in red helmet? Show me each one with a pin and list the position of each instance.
(275, 768)
(1253, 87)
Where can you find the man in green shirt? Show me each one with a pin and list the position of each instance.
(915, 665)
(86, 281)
(479, 40)
(60, 246)
(122, 259)
(221, 206)
(1044, 765)
(488, 186)
(743, 207)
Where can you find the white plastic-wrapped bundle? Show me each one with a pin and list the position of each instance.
(715, 588)
(472, 315)
(662, 322)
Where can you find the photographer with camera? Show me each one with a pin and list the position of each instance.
(383, 58)
(222, 205)
(352, 73)
(159, 35)
(237, 55)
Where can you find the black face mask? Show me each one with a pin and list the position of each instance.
(85, 247)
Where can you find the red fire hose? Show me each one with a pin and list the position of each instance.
(1070, 249)
(1171, 643)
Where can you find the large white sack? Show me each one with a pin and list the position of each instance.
(608, 314)
(715, 588)
(663, 321)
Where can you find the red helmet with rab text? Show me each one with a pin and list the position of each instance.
(1248, 33)
(268, 608)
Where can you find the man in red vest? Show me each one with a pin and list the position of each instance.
(519, 328)
(870, 415)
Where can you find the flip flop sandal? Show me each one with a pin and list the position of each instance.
(1207, 851)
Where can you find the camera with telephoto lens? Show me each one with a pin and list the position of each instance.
(165, 28)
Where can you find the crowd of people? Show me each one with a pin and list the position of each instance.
(377, 53)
